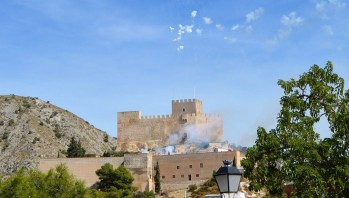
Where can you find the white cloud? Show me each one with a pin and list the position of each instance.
(235, 27)
(320, 6)
(180, 48)
(189, 28)
(220, 27)
(254, 15)
(328, 30)
(249, 29)
(337, 3)
(230, 39)
(291, 20)
(198, 31)
(323, 5)
(171, 29)
(193, 13)
(207, 20)
(281, 34)
(178, 38)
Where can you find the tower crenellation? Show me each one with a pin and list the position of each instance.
(136, 131)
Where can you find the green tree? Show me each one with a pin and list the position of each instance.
(118, 182)
(75, 149)
(35, 184)
(157, 178)
(294, 152)
(62, 184)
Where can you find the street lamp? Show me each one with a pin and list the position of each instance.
(228, 178)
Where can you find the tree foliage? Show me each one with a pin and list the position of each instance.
(75, 149)
(118, 182)
(157, 178)
(294, 152)
(56, 183)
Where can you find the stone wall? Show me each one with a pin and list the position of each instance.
(81, 168)
(136, 131)
(178, 171)
(140, 166)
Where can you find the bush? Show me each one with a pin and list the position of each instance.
(106, 138)
(11, 122)
(35, 140)
(192, 187)
(5, 135)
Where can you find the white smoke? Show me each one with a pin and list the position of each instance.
(144, 150)
(197, 134)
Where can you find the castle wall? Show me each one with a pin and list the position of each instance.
(176, 171)
(140, 166)
(81, 168)
(136, 131)
(179, 171)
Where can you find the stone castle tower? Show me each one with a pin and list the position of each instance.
(186, 122)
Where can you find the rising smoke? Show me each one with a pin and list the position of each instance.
(198, 134)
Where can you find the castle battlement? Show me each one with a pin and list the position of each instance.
(187, 100)
(136, 131)
(150, 117)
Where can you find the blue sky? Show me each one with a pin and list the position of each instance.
(97, 58)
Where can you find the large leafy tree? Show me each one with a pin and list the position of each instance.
(294, 153)
(118, 182)
(75, 149)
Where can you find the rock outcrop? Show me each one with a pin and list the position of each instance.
(31, 129)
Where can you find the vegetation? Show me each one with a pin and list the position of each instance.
(56, 183)
(145, 194)
(208, 187)
(117, 182)
(106, 138)
(75, 149)
(157, 178)
(293, 152)
(57, 131)
(11, 122)
(113, 153)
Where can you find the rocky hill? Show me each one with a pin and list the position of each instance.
(31, 129)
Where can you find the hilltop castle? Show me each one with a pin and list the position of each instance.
(185, 128)
(187, 120)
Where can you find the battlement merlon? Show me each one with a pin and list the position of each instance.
(126, 116)
(186, 106)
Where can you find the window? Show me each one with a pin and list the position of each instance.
(190, 166)
(189, 177)
(183, 110)
(182, 176)
(201, 165)
(163, 177)
(197, 175)
(178, 167)
(173, 176)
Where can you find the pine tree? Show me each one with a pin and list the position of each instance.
(157, 178)
(75, 149)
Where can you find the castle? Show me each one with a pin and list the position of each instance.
(186, 123)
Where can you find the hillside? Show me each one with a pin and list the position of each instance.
(31, 129)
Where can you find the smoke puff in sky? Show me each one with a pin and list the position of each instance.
(197, 134)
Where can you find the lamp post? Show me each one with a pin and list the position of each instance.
(228, 178)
